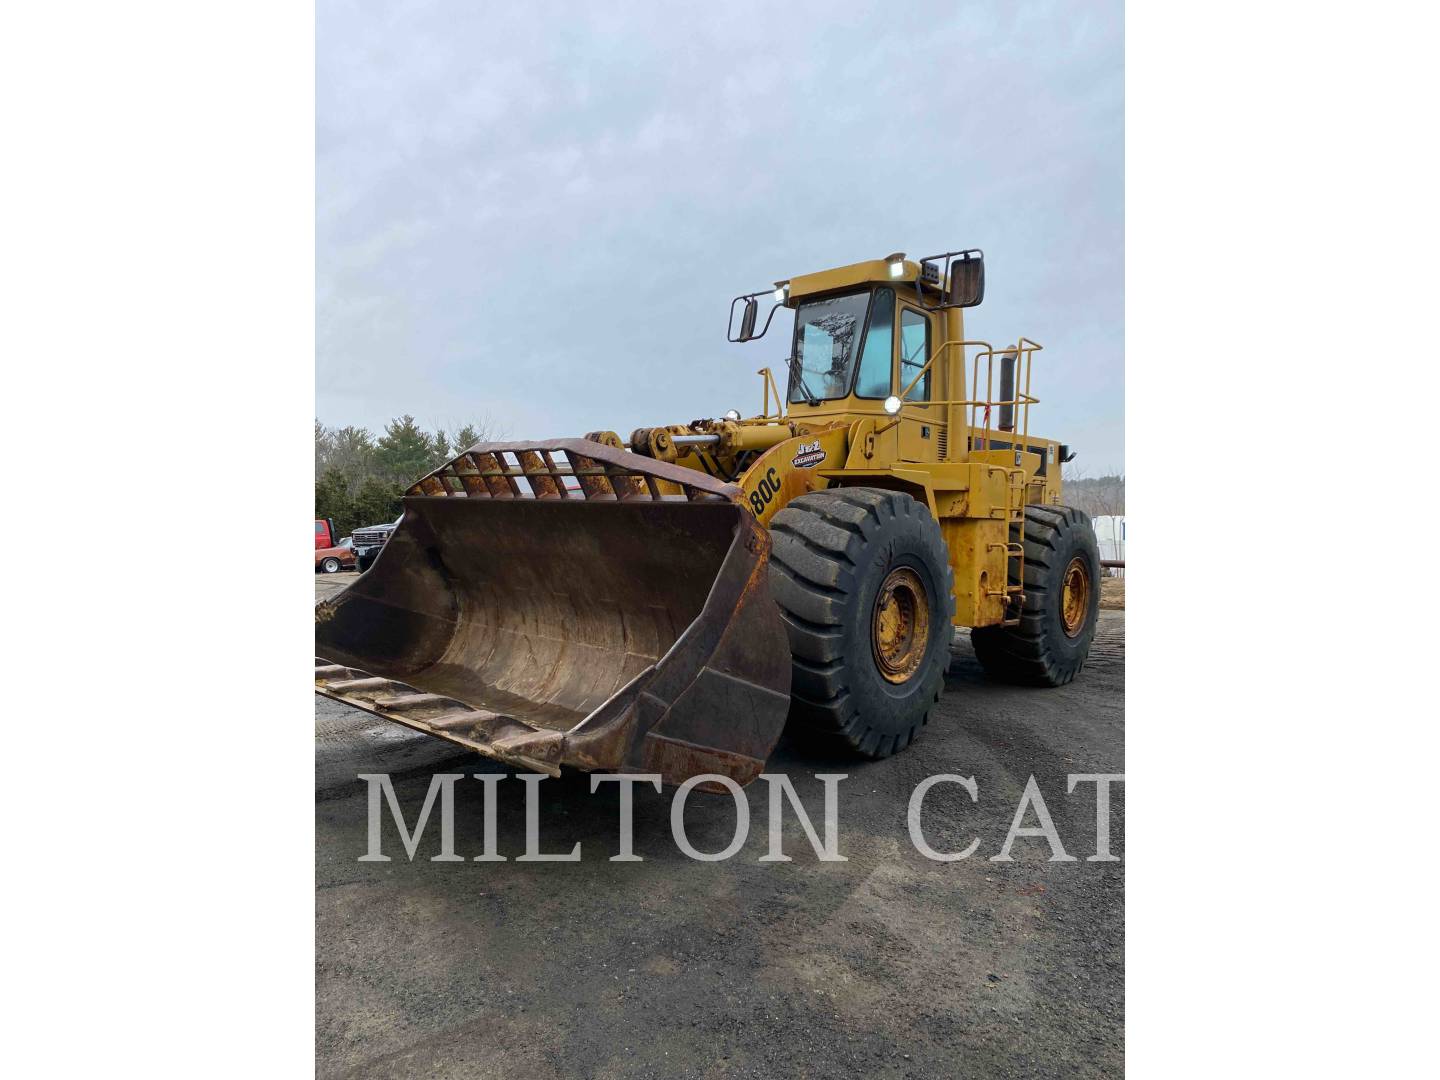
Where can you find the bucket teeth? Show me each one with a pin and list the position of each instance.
(356, 686)
(407, 702)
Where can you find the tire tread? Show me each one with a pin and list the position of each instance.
(1024, 654)
(818, 548)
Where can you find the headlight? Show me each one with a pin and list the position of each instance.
(892, 404)
(782, 290)
(733, 414)
(897, 263)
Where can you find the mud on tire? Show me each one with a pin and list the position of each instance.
(854, 684)
(1042, 651)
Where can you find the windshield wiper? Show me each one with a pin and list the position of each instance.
(797, 378)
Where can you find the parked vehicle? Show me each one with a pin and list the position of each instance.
(332, 560)
(369, 541)
(325, 534)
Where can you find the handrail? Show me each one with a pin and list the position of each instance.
(1024, 399)
(929, 363)
(1023, 350)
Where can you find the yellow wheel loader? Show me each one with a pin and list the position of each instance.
(662, 604)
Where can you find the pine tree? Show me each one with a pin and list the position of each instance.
(376, 503)
(332, 500)
(404, 453)
(467, 437)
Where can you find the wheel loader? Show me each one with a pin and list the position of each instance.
(664, 603)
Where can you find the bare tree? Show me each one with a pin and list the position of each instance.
(461, 438)
(348, 451)
(1098, 496)
(323, 443)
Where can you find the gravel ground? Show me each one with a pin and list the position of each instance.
(885, 965)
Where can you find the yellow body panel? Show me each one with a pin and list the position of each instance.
(790, 469)
(948, 452)
(977, 558)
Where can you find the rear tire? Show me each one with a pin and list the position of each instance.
(330, 565)
(863, 581)
(1057, 622)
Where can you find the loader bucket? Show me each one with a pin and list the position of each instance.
(569, 604)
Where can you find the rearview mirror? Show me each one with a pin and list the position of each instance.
(967, 279)
(747, 319)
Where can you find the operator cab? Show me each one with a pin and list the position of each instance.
(876, 339)
(845, 346)
(864, 333)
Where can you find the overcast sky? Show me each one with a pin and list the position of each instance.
(540, 212)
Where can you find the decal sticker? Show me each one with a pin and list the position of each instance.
(765, 492)
(808, 455)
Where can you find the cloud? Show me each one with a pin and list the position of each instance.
(540, 213)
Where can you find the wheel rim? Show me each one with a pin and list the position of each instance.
(331, 566)
(1075, 597)
(900, 628)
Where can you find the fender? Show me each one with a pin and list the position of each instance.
(790, 469)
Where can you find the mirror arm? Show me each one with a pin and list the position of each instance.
(766, 328)
(972, 254)
(731, 337)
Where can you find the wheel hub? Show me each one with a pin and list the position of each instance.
(1075, 597)
(900, 628)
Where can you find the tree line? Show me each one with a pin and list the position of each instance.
(1098, 496)
(360, 478)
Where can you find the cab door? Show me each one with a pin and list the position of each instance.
(922, 426)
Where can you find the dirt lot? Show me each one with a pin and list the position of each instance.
(886, 965)
(1112, 593)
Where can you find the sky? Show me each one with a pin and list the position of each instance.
(537, 215)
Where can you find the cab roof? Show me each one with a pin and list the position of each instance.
(870, 272)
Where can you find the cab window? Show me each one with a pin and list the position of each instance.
(826, 333)
(873, 379)
(914, 352)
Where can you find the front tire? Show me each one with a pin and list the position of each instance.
(330, 565)
(863, 581)
(1061, 607)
